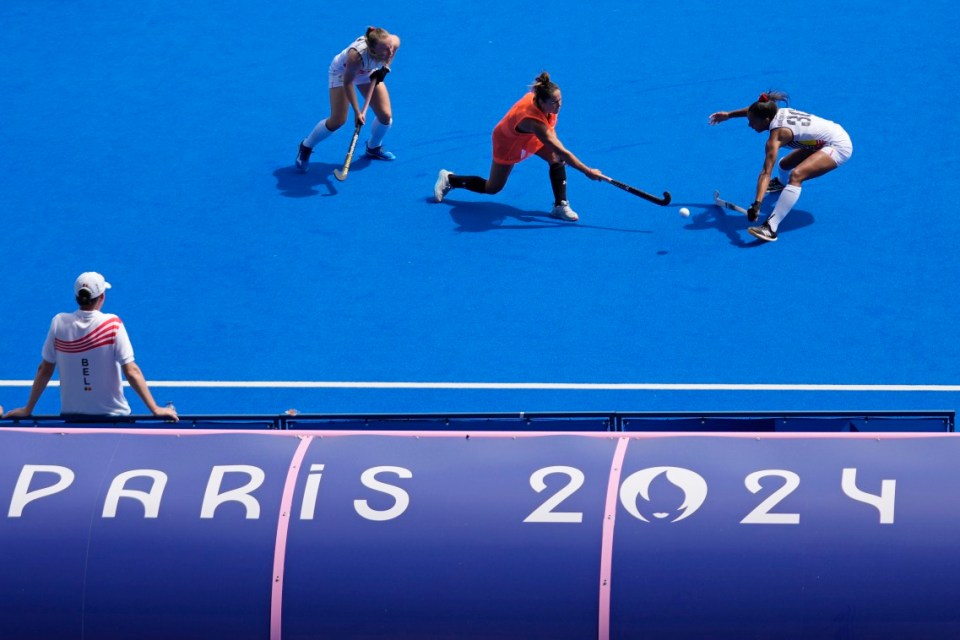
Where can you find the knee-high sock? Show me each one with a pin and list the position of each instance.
(788, 198)
(558, 181)
(319, 133)
(470, 183)
(785, 175)
(377, 132)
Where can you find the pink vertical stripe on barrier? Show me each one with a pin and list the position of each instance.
(606, 550)
(280, 549)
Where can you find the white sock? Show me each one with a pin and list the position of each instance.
(788, 198)
(377, 132)
(319, 133)
(785, 175)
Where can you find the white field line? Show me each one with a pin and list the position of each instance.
(535, 386)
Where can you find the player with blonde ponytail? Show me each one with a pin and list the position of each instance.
(361, 67)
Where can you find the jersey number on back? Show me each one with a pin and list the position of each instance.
(798, 118)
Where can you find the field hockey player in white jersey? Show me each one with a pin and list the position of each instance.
(366, 59)
(819, 146)
(90, 348)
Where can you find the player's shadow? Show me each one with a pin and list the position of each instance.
(318, 180)
(472, 217)
(734, 225)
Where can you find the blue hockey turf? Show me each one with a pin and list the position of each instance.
(154, 142)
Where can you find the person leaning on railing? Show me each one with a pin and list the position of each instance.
(91, 349)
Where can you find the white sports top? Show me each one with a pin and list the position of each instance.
(368, 63)
(808, 130)
(89, 347)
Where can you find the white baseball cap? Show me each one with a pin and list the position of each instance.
(92, 282)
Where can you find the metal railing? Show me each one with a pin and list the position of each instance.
(603, 421)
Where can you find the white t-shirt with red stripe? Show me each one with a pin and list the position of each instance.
(89, 347)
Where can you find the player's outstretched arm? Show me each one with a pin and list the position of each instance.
(550, 140)
(723, 116)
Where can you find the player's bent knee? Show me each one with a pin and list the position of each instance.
(493, 188)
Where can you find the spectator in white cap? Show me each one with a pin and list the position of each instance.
(91, 349)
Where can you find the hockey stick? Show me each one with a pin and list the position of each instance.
(341, 174)
(664, 201)
(723, 204)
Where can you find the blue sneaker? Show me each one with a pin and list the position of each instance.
(379, 153)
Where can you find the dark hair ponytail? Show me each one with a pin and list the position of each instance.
(543, 87)
(766, 104)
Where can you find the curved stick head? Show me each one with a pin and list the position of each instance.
(339, 175)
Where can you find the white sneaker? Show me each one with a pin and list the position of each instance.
(442, 187)
(563, 211)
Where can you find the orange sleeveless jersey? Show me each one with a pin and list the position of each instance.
(511, 146)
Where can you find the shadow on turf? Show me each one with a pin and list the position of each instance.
(487, 216)
(734, 225)
(318, 180)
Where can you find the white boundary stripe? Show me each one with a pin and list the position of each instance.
(536, 386)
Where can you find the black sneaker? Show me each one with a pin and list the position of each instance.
(380, 153)
(763, 232)
(775, 186)
(303, 157)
